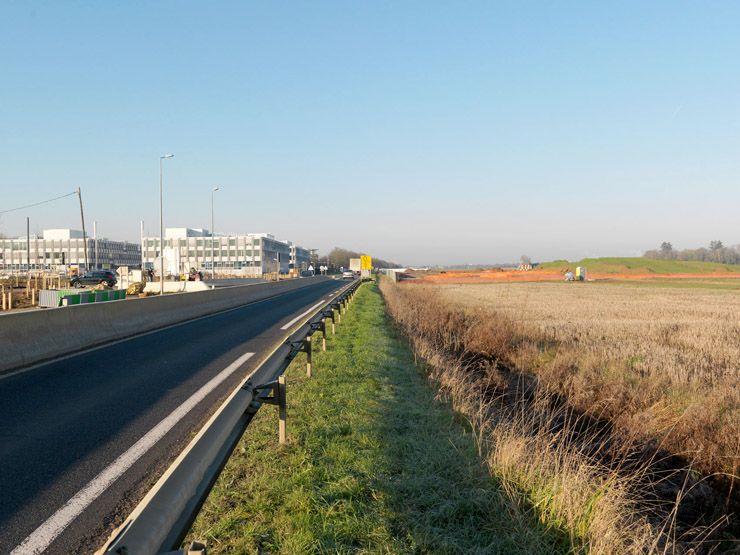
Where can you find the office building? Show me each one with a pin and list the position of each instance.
(252, 254)
(60, 249)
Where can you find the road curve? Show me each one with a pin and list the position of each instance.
(66, 422)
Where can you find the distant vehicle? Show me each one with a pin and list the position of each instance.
(348, 274)
(94, 278)
(307, 273)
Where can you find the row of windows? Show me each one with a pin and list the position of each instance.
(151, 255)
(207, 253)
(201, 242)
(71, 256)
(66, 245)
(234, 265)
(34, 251)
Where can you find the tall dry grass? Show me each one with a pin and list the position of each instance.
(574, 457)
(659, 363)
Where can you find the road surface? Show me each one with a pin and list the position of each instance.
(67, 427)
(233, 282)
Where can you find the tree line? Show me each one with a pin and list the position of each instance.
(716, 252)
(339, 258)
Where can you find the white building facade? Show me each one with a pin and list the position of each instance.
(252, 254)
(300, 258)
(59, 249)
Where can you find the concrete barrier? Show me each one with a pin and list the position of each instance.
(27, 338)
(176, 286)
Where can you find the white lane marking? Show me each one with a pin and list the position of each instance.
(302, 314)
(42, 537)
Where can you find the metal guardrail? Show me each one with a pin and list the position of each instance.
(162, 519)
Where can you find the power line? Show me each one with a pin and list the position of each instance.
(37, 203)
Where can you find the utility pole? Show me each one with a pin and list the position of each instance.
(213, 234)
(161, 225)
(84, 235)
(141, 235)
(28, 246)
(95, 241)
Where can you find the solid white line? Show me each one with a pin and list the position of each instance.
(42, 537)
(302, 314)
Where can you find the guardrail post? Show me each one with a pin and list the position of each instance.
(307, 348)
(195, 548)
(323, 332)
(282, 409)
(279, 389)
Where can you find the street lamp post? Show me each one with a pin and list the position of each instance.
(213, 234)
(161, 225)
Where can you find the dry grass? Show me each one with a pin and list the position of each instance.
(540, 368)
(660, 363)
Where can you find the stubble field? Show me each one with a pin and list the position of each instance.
(657, 365)
(660, 361)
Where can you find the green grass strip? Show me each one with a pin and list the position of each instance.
(374, 463)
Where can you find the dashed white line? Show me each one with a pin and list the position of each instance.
(302, 315)
(42, 537)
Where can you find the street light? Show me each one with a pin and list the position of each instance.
(213, 234)
(161, 225)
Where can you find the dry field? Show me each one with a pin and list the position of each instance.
(659, 365)
(661, 362)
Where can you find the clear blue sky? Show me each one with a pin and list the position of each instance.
(427, 132)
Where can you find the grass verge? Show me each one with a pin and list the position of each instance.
(375, 463)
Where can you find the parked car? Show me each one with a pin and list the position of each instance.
(348, 274)
(94, 278)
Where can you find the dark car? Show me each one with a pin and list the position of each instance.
(93, 278)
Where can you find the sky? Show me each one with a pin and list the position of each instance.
(420, 131)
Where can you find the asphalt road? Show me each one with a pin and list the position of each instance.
(233, 282)
(66, 421)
